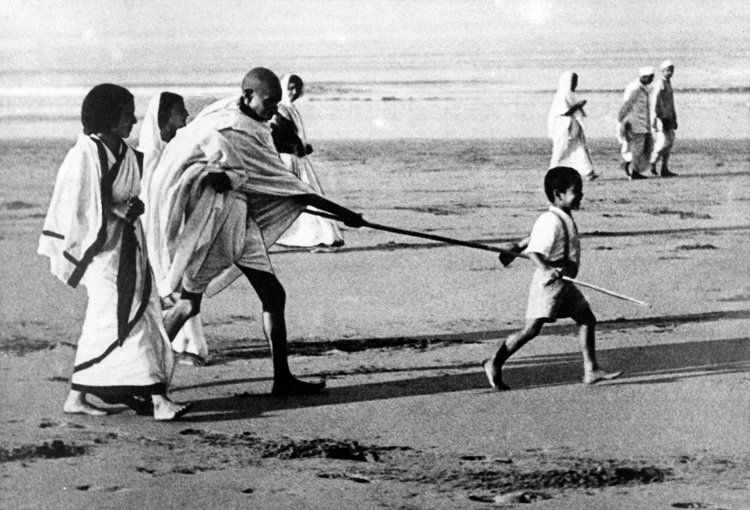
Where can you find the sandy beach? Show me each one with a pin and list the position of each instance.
(398, 327)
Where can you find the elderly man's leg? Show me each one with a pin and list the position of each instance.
(273, 299)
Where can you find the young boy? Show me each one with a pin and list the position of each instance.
(556, 250)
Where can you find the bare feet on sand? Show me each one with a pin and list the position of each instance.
(494, 376)
(190, 359)
(293, 386)
(76, 404)
(166, 410)
(599, 375)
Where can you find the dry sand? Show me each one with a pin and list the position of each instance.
(398, 326)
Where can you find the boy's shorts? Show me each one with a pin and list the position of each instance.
(557, 300)
(237, 240)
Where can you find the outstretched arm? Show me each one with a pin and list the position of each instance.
(349, 217)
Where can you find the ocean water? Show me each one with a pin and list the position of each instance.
(381, 69)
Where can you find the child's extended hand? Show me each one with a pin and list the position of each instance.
(135, 209)
(551, 275)
(507, 256)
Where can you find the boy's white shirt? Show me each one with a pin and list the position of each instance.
(548, 237)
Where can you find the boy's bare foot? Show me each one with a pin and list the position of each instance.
(166, 410)
(599, 375)
(494, 376)
(190, 359)
(294, 386)
(74, 405)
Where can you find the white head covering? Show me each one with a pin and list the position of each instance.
(665, 64)
(149, 140)
(563, 100)
(646, 71)
(150, 144)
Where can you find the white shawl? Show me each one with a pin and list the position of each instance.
(184, 212)
(75, 216)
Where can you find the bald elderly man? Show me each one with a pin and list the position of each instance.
(664, 120)
(222, 197)
(635, 118)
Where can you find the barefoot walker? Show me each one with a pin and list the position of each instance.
(555, 249)
(92, 235)
(222, 196)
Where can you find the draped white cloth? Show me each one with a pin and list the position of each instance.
(88, 240)
(569, 146)
(191, 337)
(307, 230)
(184, 212)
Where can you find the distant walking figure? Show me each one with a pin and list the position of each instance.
(565, 128)
(635, 121)
(290, 139)
(664, 123)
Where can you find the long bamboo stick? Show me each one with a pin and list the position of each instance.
(478, 246)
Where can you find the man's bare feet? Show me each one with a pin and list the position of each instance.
(190, 359)
(76, 403)
(294, 386)
(599, 375)
(494, 375)
(166, 410)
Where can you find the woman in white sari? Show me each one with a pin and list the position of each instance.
(166, 114)
(92, 235)
(565, 128)
(291, 141)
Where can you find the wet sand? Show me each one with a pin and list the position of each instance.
(398, 326)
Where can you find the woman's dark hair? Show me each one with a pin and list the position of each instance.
(560, 178)
(102, 107)
(293, 78)
(166, 101)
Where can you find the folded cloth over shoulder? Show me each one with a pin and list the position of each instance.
(181, 213)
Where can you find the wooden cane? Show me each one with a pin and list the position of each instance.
(477, 246)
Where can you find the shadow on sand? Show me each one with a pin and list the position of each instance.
(642, 365)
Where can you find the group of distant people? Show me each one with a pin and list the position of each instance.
(647, 121)
(155, 231)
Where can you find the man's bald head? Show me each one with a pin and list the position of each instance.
(262, 79)
(261, 93)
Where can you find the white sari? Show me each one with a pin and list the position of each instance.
(191, 338)
(307, 230)
(123, 348)
(566, 130)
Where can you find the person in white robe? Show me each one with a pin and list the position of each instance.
(92, 236)
(565, 127)
(635, 124)
(166, 114)
(222, 197)
(319, 233)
